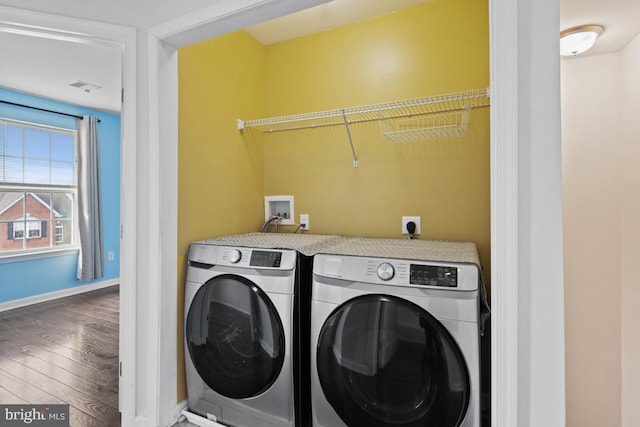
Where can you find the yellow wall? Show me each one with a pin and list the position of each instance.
(434, 48)
(220, 175)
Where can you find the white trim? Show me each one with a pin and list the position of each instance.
(168, 168)
(57, 27)
(50, 296)
(224, 17)
(46, 253)
(503, 24)
(128, 241)
(155, 333)
(526, 220)
(35, 125)
(86, 31)
(179, 26)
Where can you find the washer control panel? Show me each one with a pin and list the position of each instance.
(209, 255)
(265, 258)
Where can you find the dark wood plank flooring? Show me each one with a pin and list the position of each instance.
(64, 351)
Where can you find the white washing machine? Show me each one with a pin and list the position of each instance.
(239, 335)
(395, 330)
(246, 300)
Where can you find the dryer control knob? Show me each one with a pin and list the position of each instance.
(385, 271)
(235, 256)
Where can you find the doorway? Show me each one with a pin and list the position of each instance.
(55, 27)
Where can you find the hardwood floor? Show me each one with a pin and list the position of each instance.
(64, 351)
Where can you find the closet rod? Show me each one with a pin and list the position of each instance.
(42, 109)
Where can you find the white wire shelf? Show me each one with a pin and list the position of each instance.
(389, 110)
(435, 126)
(442, 116)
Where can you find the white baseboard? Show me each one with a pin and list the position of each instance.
(10, 305)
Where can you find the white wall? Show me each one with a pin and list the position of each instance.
(591, 179)
(601, 183)
(630, 235)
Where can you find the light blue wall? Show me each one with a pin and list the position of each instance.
(21, 279)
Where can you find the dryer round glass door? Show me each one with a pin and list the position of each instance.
(235, 337)
(384, 361)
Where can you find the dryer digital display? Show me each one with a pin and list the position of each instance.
(265, 259)
(433, 275)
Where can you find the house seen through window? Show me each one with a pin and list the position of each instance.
(38, 187)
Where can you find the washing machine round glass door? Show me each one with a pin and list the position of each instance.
(384, 361)
(235, 337)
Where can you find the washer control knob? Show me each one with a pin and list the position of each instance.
(235, 256)
(385, 271)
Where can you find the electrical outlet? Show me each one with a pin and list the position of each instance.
(304, 221)
(406, 219)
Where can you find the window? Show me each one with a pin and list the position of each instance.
(18, 230)
(38, 187)
(34, 229)
(59, 233)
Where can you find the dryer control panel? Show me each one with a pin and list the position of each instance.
(396, 272)
(433, 275)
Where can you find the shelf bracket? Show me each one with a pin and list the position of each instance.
(353, 151)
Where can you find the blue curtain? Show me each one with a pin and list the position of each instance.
(90, 261)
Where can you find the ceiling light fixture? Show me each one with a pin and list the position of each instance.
(576, 40)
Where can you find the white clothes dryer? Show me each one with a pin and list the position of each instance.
(395, 328)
